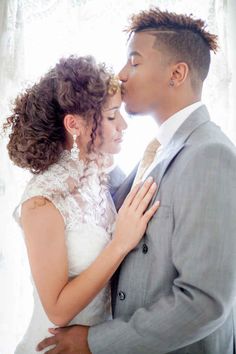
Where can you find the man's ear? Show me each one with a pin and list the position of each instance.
(73, 124)
(180, 73)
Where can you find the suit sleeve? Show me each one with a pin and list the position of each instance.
(203, 250)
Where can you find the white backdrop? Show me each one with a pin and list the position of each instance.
(33, 35)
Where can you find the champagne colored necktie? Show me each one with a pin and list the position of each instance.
(147, 159)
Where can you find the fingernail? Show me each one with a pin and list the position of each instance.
(149, 179)
(52, 330)
(157, 203)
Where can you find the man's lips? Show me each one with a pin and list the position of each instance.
(122, 91)
(119, 140)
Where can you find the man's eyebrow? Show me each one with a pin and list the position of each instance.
(134, 52)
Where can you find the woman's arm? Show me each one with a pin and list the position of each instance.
(44, 233)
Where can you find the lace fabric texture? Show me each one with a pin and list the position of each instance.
(79, 192)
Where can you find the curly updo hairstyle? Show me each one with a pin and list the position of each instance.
(76, 85)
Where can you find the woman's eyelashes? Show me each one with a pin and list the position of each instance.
(113, 114)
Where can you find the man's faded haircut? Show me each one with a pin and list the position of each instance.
(181, 37)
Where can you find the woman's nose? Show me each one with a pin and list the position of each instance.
(123, 125)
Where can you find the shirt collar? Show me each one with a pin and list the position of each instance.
(167, 129)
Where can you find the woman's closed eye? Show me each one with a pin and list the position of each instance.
(113, 114)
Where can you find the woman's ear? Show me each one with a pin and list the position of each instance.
(73, 124)
(179, 74)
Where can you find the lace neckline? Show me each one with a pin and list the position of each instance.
(79, 173)
(87, 183)
(79, 190)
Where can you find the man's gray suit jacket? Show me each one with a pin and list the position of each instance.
(176, 289)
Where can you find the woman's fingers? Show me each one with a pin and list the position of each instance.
(128, 200)
(141, 193)
(144, 202)
(151, 211)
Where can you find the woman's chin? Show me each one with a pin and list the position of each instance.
(112, 151)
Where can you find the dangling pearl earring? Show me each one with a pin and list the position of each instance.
(74, 152)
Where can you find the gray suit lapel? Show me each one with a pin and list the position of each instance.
(195, 120)
(124, 189)
(177, 143)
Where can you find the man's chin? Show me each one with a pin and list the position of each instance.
(130, 110)
(133, 112)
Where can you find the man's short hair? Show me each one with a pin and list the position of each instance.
(181, 37)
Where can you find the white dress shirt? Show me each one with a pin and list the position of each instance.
(167, 130)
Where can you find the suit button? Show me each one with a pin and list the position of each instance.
(145, 248)
(121, 295)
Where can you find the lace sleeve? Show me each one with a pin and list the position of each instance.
(50, 185)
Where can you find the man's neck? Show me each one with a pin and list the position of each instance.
(161, 116)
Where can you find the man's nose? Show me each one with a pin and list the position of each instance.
(123, 74)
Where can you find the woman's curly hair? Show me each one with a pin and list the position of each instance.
(76, 85)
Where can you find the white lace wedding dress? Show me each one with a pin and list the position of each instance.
(79, 192)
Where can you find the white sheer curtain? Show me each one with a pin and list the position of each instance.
(33, 35)
(230, 38)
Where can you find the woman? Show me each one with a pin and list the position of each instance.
(63, 129)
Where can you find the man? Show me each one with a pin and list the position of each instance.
(175, 291)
